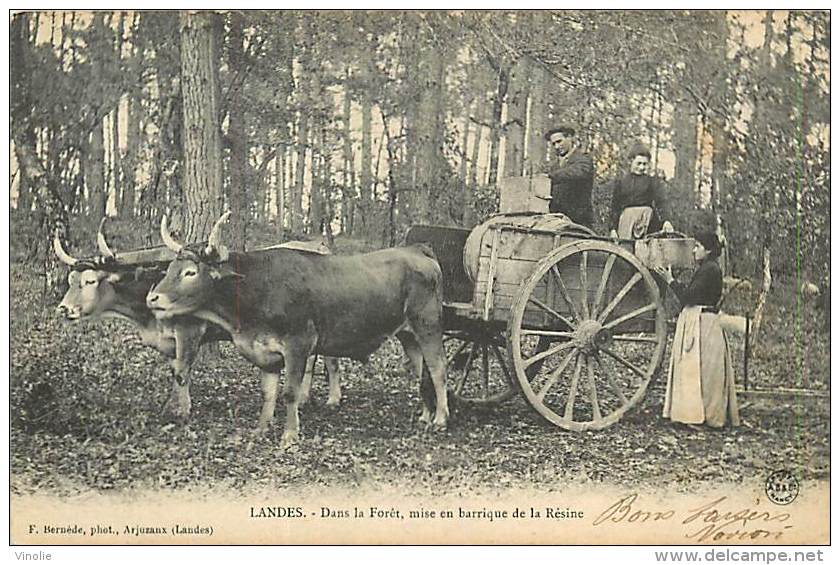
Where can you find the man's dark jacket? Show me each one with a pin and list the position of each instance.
(571, 187)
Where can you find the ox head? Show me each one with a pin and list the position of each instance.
(190, 279)
(91, 280)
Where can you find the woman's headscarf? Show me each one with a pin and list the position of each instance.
(639, 149)
(709, 240)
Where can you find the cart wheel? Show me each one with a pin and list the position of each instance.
(477, 368)
(596, 349)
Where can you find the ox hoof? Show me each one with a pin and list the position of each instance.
(289, 440)
(262, 427)
(303, 399)
(426, 417)
(433, 424)
(258, 435)
(177, 408)
(439, 425)
(333, 402)
(172, 413)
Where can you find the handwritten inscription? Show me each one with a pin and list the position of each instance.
(715, 521)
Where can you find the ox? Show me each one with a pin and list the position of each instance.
(279, 306)
(111, 286)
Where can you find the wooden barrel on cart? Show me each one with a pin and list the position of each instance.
(480, 241)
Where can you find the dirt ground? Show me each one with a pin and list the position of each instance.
(86, 404)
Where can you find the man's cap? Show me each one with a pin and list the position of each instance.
(566, 128)
(637, 149)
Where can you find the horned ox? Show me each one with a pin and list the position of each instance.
(279, 306)
(109, 286)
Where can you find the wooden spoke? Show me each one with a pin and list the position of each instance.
(593, 390)
(630, 315)
(565, 293)
(624, 362)
(547, 353)
(583, 283)
(569, 412)
(459, 385)
(602, 287)
(613, 383)
(459, 350)
(620, 296)
(635, 338)
(500, 358)
(548, 333)
(485, 376)
(555, 375)
(551, 311)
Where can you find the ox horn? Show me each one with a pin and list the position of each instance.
(167, 238)
(214, 242)
(65, 257)
(101, 243)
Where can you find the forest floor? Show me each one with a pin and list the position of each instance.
(86, 403)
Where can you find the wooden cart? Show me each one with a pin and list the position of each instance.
(575, 321)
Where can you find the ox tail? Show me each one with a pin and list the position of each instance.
(437, 279)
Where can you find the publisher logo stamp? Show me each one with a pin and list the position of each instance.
(782, 487)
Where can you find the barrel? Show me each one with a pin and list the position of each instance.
(480, 240)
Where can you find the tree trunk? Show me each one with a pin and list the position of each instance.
(476, 149)
(720, 146)
(517, 115)
(134, 127)
(95, 176)
(325, 223)
(685, 146)
(463, 196)
(129, 162)
(392, 191)
(54, 218)
(296, 190)
(280, 197)
(365, 178)
(503, 79)
(21, 108)
(165, 186)
(465, 140)
(536, 121)
(348, 176)
(431, 164)
(315, 189)
(116, 63)
(410, 198)
(202, 165)
(238, 189)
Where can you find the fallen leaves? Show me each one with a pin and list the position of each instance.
(99, 427)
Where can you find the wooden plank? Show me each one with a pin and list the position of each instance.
(491, 273)
(781, 392)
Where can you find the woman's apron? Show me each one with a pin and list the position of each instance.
(701, 380)
(634, 221)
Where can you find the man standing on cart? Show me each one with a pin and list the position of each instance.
(572, 173)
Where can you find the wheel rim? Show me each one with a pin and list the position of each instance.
(595, 356)
(477, 369)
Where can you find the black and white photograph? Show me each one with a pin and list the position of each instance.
(407, 277)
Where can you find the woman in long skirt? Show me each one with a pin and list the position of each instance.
(701, 382)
